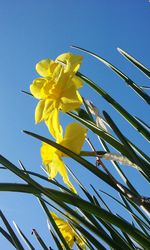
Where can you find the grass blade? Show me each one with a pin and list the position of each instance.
(13, 236)
(50, 218)
(26, 241)
(6, 235)
(132, 155)
(139, 65)
(132, 84)
(59, 247)
(137, 125)
(39, 239)
(76, 157)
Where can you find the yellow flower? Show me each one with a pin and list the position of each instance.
(68, 232)
(57, 90)
(52, 158)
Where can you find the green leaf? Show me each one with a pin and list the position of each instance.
(89, 236)
(101, 213)
(132, 155)
(144, 123)
(6, 235)
(26, 92)
(13, 236)
(76, 157)
(119, 187)
(50, 218)
(136, 218)
(39, 239)
(106, 137)
(56, 240)
(132, 84)
(133, 214)
(25, 239)
(102, 134)
(139, 65)
(117, 106)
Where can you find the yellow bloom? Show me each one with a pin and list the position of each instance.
(68, 232)
(52, 158)
(57, 90)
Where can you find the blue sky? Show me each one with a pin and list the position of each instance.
(33, 30)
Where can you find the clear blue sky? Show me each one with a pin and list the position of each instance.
(32, 30)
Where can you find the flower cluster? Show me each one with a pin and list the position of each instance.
(57, 89)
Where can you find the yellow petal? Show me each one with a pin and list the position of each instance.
(70, 100)
(47, 153)
(39, 111)
(53, 125)
(58, 166)
(45, 67)
(48, 108)
(68, 233)
(77, 82)
(36, 88)
(48, 68)
(72, 62)
(81, 241)
(74, 137)
(65, 229)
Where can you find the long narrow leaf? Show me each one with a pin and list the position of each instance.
(132, 84)
(6, 235)
(76, 157)
(40, 240)
(117, 106)
(125, 226)
(50, 218)
(90, 237)
(133, 156)
(139, 65)
(13, 236)
(57, 241)
(25, 239)
(89, 166)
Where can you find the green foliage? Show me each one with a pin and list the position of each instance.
(94, 220)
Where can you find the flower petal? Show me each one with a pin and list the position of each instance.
(81, 241)
(77, 82)
(58, 166)
(74, 137)
(71, 99)
(47, 153)
(53, 125)
(36, 88)
(68, 232)
(39, 111)
(72, 62)
(48, 108)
